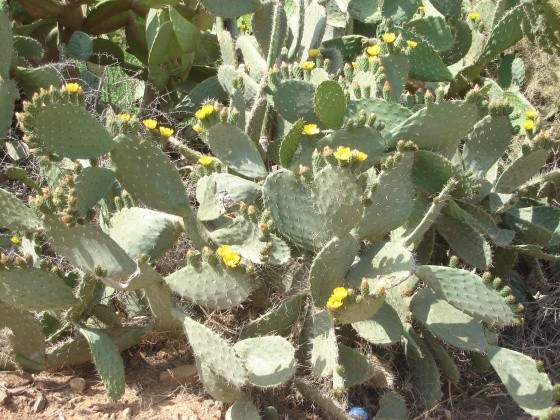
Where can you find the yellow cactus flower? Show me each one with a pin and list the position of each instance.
(373, 50)
(343, 154)
(242, 26)
(528, 125)
(205, 160)
(307, 65)
(310, 129)
(231, 260)
(412, 44)
(340, 293)
(353, 64)
(421, 8)
(204, 112)
(228, 256)
(313, 53)
(224, 250)
(474, 16)
(123, 117)
(72, 87)
(334, 303)
(531, 114)
(166, 131)
(389, 37)
(197, 128)
(150, 124)
(15, 240)
(360, 156)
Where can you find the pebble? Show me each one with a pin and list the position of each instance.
(127, 413)
(15, 379)
(4, 396)
(186, 374)
(77, 385)
(39, 404)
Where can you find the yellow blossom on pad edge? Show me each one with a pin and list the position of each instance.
(223, 250)
(205, 160)
(123, 117)
(528, 125)
(531, 114)
(205, 111)
(307, 65)
(231, 260)
(412, 44)
(72, 87)
(15, 240)
(334, 302)
(343, 153)
(313, 52)
(474, 16)
(165, 131)
(360, 156)
(197, 128)
(373, 50)
(310, 129)
(150, 124)
(228, 256)
(389, 37)
(340, 292)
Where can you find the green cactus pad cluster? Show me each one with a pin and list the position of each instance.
(331, 177)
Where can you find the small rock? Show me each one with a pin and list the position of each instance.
(15, 379)
(77, 385)
(127, 413)
(186, 374)
(4, 396)
(113, 416)
(39, 404)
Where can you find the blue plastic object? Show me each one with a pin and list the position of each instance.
(358, 413)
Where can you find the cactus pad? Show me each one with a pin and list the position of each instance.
(27, 341)
(92, 185)
(133, 160)
(87, 247)
(143, 231)
(467, 292)
(277, 320)
(383, 328)
(293, 213)
(439, 127)
(214, 351)
(243, 408)
(64, 127)
(212, 287)
(236, 150)
(15, 215)
(294, 100)
(35, 290)
(384, 215)
(356, 367)
(330, 104)
(529, 388)
(270, 361)
(107, 359)
(330, 266)
(443, 320)
(324, 350)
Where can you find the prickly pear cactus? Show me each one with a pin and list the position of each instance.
(328, 172)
